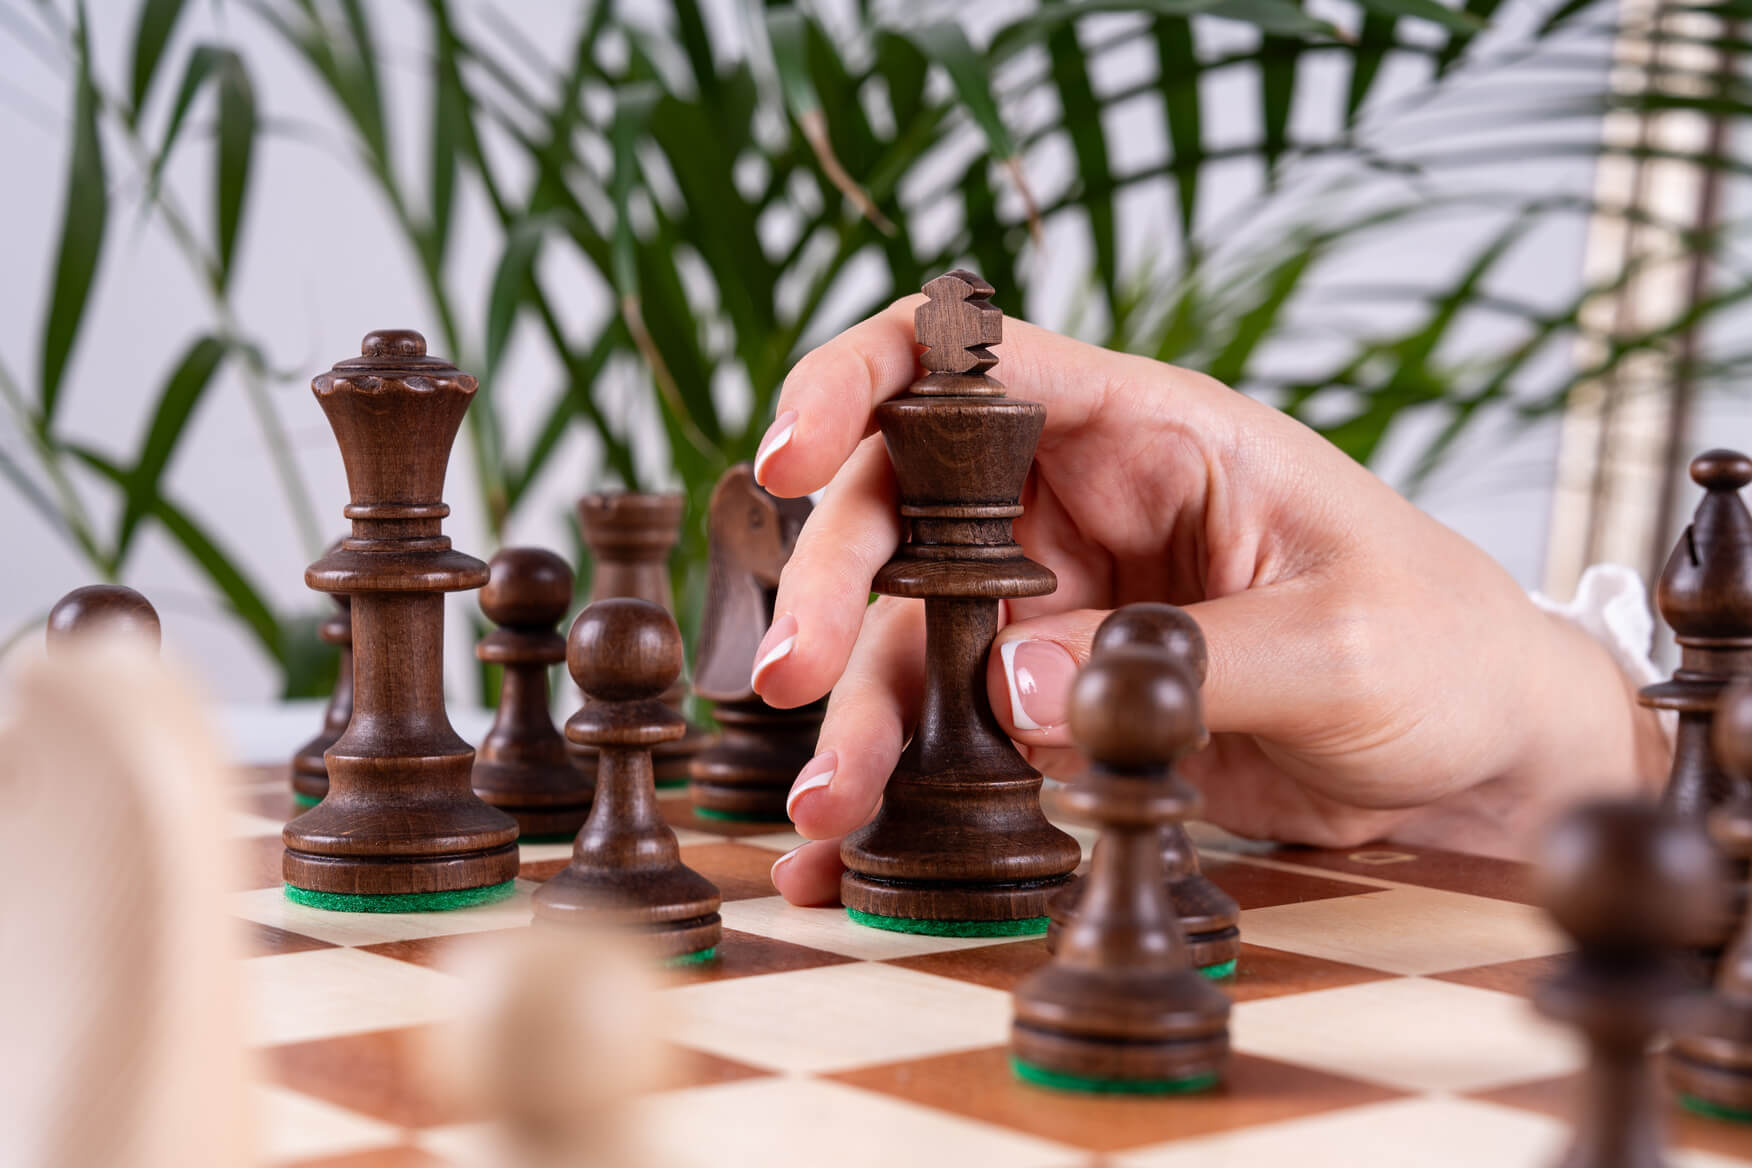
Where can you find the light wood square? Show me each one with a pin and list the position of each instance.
(291, 1126)
(323, 993)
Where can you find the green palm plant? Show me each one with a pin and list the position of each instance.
(737, 207)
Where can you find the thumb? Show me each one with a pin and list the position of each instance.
(1033, 663)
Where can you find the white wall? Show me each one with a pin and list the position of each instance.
(321, 265)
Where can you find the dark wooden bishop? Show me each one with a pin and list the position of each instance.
(1711, 1060)
(101, 608)
(309, 771)
(1121, 1001)
(630, 535)
(626, 870)
(521, 766)
(1209, 916)
(1705, 594)
(960, 835)
(399, 816)
(747, 770)
(1631, 883)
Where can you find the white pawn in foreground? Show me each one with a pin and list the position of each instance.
(122, 1033)
(559, 1032)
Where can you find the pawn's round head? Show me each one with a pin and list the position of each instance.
(1626, 876)
(102, 608)
(1161, 626)
(526, 587)
(1134, 707)
(624, 650)
(1721, 470)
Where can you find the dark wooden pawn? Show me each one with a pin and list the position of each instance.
(747, 770)
(521, 766)
(1711, 1060)
(102, 608)
(1121, 1004)
(959, 839)
(400, 817)
(626, 870)
(309, 771)
(1209, 916)
(630, 535)
(1631, 883)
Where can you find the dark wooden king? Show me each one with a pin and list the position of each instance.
(747, 770)
(630, 535)
(399, 816)
(960, 836)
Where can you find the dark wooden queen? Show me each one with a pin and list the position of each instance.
(960, 838)
(399, 817)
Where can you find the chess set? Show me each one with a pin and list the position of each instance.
(1020, 974)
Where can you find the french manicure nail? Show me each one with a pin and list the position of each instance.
(773, 872)
(774, 647)
(1039, 674)
(778, 436)
(816, 775)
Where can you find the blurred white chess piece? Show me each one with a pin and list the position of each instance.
(559, 1032)
(122, 1019)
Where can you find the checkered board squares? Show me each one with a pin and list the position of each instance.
(1381, 1017)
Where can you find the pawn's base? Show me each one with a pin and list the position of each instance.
(401, 902)
(1025, 927)
(1715, 1110)
(300, 799)
(1219, 972)
(705, 812)
(1066, 1081)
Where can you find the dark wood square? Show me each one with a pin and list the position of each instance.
(980, 1084)
(747, 954)
(1561, 1096)
(741, 871)
(268, 941)
(1425, 867)
(433, 952)
(380, 1074)
(256, 863)
(1509, 977)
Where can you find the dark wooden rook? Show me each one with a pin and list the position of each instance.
(626, 870)
(1121, 1002)
(1631, 884)
(309, 771)
(630, 535)
(102, 608)
(747, 770)
(1208, 915)
(521, 766)
(399, 816)
(1711, 1059)
(960, 836)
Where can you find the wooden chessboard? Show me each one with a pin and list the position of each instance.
(1381, 1017)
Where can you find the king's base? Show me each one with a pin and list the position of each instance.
(405, 902)
(949, 904)
(673, 942)
(1215, 953)
(1027, 927)
(741, 802)
(1711, 1078)
(1088, 1063)
(356, 876)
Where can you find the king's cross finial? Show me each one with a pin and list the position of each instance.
(958, 324)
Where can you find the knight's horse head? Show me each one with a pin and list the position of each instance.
(751, 535)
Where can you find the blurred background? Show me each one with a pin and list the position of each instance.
(1494, 250)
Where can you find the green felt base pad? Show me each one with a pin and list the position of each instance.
(401, 902)
(736, 816)
(694, 958)
(1026, 927)
(1218, 972)
(300, 799)
(1061, 1081)
(1714, 1110)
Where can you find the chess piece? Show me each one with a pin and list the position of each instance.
(959, 845)
(309, 771)
(1208, 915)
(521, 766)
(630, 535)
(1121, 1006)
(1710, 1062)
(1631, 884)
(747, 770)
(626, 870)
(1705, 594)
(559, 1032)
(125, 1043)
(102, 607)
(400, 829)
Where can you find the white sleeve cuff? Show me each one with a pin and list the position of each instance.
(1612, 606)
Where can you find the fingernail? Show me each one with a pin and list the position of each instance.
(816, 775)
(773, 872)
(1040, 675)
(774, 647)
(778, 436)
